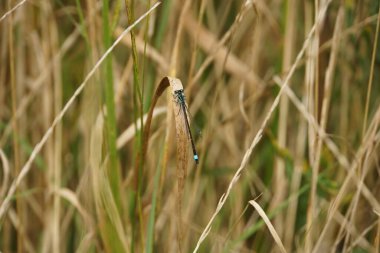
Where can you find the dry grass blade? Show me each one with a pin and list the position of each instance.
(85, 244)
(280, 182)
(109, 205)
(324, 117)
(272, 230)
(25, 169)
(371, 74)
(309, 117)
(12, 10)
(175, 55)
(6, 173)
(220, 53)
(107, 212)
(38, 84)
(258, 136)
(27, 244)
(182, 141)
(159, 90)
(71, 197)
(343, 161)
(241, 104)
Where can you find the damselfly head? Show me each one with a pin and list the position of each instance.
(178, 92)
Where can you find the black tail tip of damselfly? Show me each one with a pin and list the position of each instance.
(196, 159)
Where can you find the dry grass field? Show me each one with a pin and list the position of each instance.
(283, 100)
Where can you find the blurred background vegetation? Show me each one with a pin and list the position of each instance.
(88, 188)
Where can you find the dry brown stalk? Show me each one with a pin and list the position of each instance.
(182, 138)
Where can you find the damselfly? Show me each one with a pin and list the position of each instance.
(180, 99)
